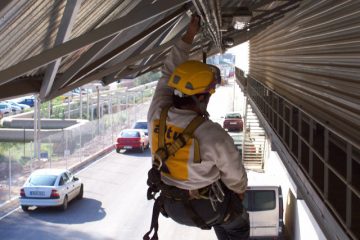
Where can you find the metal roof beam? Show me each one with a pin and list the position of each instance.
(20, 87)
(66, 25)
(111, 55)
(96, 50)
(135, 58)
(179, 26)
(260, 4)
(94, 36)
(99, 75)
(112, 69)
(155, 39)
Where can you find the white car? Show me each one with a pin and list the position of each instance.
(142, 125)
(5, 109)
(49, 188)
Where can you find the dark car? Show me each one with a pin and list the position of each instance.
(233, 122)
(28, 101)
(132, 139)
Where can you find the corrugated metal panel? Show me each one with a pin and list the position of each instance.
(37, 24)
(91, 16)
(311, 57)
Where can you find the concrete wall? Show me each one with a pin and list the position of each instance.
(28, 123)
(22, 130)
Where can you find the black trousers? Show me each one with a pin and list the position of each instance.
(230, 220)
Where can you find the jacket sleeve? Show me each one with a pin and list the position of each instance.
(163, 94)
(232, 171)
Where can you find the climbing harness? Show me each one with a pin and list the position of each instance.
(159, 191)
(154, 182)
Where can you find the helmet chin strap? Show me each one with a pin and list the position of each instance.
(202, 105)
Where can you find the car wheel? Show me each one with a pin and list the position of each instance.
(81, 193)
(25, 208)
(118, 150)
(64, 206)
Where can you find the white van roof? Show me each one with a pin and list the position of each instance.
(261, 179)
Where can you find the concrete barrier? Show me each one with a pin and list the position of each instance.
(21, 130)
(28, 123)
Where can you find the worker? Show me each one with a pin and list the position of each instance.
(198, 178)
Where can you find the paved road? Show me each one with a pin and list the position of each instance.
(114, 207)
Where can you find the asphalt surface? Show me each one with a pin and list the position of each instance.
(114, 206)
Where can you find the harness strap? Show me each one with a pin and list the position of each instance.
(154, 220)
(197, 156)
(161, 153)
(160, 157)
(162, 127)
(164, 152)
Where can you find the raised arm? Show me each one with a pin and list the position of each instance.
(178, 54)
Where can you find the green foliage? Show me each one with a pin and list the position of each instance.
(58, 108)
(147, 78)
(15, 150)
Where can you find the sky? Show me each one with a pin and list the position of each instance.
(241, 53)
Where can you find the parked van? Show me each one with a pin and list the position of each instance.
(265, 207)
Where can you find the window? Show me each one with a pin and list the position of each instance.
(61, 182)
(233, 115)
(43, 180)
(64, 179)
(70, 176)
(141, 125)
(263, 200)
(260, 200)
(130, 134)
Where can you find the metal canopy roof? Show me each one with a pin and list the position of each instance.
(51, 47)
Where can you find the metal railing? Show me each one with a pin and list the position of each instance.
(104, 117)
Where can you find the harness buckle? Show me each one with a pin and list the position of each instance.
(218, 191)
(216, 194)
(159, 156)
(182, 139)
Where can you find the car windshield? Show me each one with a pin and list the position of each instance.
(130, 134)
(141, 125)
(233, 115)
(43, 180)
(2, 106)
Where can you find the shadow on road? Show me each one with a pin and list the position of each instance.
(78, 212)
(135, 153)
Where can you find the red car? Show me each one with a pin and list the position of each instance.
(233, 122)
(132, 139)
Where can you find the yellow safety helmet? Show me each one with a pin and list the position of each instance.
(194, 77)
